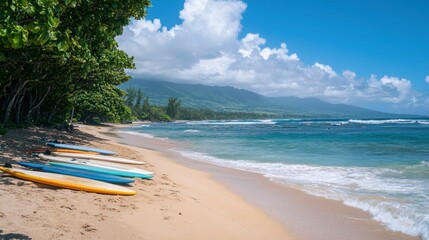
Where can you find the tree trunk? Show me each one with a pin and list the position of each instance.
(18, 108)
(28, 117)
(11, 102)
(71, 116)
(55, 108)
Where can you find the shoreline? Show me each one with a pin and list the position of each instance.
(187, 199)
(180, 203)
(304, 216)
(268, 227)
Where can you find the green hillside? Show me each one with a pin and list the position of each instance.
(317, 107)
(201, 96)
(231, 99)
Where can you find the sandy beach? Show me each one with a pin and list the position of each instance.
(180, 203)
(185, 200)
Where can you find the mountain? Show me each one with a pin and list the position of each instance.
(317, 107)
(200, 96)
(238, 100)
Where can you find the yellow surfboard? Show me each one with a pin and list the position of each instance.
(70, 182)
(71, 151)
(42, 150)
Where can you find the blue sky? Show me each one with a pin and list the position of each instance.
(381, 37)
(373, 54)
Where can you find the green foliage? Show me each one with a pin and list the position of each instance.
(207, 114)
(125, 114)
(200, 96)
(174, 111)
(138, 106)
(157, 114)
(228, 99)
(146, 106)
(104, 104)
(130, 96)
(34, 23)
(133, 100)
(173, 107)
(57, 53)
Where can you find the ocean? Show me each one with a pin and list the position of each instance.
(380, 166)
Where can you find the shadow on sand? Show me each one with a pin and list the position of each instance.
(9, 236)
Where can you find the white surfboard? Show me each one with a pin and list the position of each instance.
(99, 166)
(97, 157)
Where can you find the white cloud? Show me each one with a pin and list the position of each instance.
(214, 69)
(250, 44)
(326, 68)
(427, 78)
(349, 75)
(205, 48)
(390, 89)
(280, 53)
(151, 26)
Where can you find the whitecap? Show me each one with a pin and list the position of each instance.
(384, 121)
(232, 122)
(191, 131)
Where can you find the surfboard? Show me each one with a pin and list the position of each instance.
(42, 150)
(98, 166)
(77, 173)
(70, 182)
(97, 157)
(81, 148)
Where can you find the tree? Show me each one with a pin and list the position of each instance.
(106, 104)
(130, 96)
(134, 100)
(138, 105)
(173, 107)
(52, 50)
(158, 115)
(146, 107)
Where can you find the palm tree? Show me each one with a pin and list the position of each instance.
(173, 107)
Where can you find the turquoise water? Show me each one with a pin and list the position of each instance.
(380, 166)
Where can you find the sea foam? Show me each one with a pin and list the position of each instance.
(390, 121)
(145, 135)
(191, 131)
(236, 122)
(142, 126)
(399, 203)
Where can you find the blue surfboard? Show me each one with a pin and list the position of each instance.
(77, 172)
(82, 148)
(121, 173)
